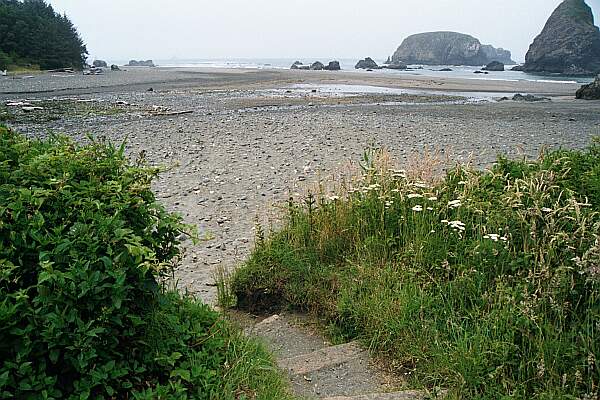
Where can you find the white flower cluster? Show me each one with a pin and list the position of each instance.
(495, 237)
(454, 204)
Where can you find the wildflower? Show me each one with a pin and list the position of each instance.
(432, 198)
(432, 231)
(445, 221)
(457, 225)
(417, 208)
(454, 204)
(334, 198)
(462, 183)
(415, 196)
(429, 208)
(395, 190)
(546, 209)
(492, 236)
(388, 204)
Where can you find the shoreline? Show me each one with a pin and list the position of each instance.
(171, 78)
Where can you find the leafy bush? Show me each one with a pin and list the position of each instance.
(5, 60)
(83, 245)
(486, 283)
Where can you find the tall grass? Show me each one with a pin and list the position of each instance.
(484, 283)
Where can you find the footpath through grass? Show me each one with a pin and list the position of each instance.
(483, 283)
(84, 247)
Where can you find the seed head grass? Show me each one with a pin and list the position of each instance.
(484, 283)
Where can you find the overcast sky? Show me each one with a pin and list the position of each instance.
(328, 29)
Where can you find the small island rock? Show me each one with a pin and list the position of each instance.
(590, 92)
(317, 66)
(494, 66)
(367, 63)
(99, 64)
(333, 66)
(135, 63)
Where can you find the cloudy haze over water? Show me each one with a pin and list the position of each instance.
(206, 29)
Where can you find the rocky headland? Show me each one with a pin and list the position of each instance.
(448, 48)
(569, 43)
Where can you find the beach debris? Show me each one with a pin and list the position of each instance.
(93, 71)
(529, 98)
(171, 113)
(150, 90)
(67, 70)
(18, 104)
(3, 73)
(32, 108)
(123, 103)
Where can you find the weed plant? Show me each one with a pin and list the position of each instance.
(83, 313)
(484, 283)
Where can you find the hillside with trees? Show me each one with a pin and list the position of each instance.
(32, 33)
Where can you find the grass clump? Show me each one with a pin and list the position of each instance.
(483, 283)
(83, 313)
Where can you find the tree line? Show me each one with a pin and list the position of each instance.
(33, 34)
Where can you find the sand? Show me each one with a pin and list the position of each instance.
(252, 138)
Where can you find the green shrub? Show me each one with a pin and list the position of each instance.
(83, 247)
(5, 60)
(485, 283)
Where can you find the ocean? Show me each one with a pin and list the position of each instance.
(464, 72)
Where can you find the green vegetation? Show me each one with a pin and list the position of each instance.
(84, 311)
(483, 283)
(33, 34)
(58, 109)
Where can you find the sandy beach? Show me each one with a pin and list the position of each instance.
(247, 139)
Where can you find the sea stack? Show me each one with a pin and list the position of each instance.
(569, 43)
(448, 48)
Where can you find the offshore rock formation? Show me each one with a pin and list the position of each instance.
(141, 63)
(367, 63)
(448, 48)
(569, 43)
(591, 91)
(494, 66)
(99, 64)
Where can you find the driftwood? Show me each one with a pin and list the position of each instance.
(30, 109)
(69, 70)
(172, 113)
